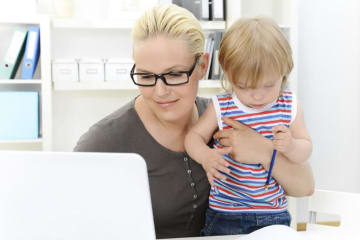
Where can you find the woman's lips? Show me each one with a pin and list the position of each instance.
(166, 104)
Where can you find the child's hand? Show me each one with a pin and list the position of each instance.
(213, 161)
(283, 140)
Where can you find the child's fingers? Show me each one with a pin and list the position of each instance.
(224, 150)
(221, 163)
(279, 145)
(222, 168)
(210, 178)
(217, 174)
(279, 128)
(279, 136)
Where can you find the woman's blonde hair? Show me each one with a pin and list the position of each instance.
(172, 21)
(251, 48)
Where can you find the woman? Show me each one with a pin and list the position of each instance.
(169, 62)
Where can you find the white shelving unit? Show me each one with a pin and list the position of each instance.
(41, 82)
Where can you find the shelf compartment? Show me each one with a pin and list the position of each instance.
(22, 145)
(79, 86)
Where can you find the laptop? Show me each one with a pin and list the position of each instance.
(74, 196)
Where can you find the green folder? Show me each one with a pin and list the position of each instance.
(14, 54)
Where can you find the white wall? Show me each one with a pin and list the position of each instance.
(75, 111)
(328, 86)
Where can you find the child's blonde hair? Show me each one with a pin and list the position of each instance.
(172, 21)
(253, 46)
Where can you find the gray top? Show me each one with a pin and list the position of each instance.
(178, 185)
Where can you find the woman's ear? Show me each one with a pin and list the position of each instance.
(204, 64)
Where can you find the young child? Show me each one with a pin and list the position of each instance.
(256, 60)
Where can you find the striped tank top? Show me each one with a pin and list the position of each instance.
(244, 191)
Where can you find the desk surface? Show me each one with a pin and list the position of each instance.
(314, 232)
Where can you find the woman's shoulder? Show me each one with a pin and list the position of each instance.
(101, 135)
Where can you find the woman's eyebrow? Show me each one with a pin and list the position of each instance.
(164, 71)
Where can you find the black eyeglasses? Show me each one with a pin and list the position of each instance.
(169, 78)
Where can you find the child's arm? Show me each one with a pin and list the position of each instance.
(294, 142)
(196, 145)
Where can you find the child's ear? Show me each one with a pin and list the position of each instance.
(204, 64)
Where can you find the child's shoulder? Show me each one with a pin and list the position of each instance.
(223, 96)
(287, 94)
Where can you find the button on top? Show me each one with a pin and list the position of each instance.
(186, 159)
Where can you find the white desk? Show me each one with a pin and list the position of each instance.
(278, 232)
(314, 232)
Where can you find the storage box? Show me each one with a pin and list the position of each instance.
(19, 115)
(65, 70)
(118, 69)
(91, 70)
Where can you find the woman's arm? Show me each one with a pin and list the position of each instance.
(250, 147)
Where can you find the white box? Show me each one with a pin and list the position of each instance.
(65, 70)
(91, 70)
(118, 69)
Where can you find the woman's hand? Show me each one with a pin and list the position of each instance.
(246, 144)
(213, 162)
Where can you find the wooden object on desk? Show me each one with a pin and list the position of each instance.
(344, 204)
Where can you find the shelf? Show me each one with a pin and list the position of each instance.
(41, 82)
(80, 86)
(24, 141)
(15, 19)
(123, 24)
(20, 81)
(22, 145)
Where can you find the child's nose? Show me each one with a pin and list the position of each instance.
(258, 95)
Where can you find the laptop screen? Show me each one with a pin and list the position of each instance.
(72, 196)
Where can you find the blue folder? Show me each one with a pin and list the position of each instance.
(19, 115)
(32, 52)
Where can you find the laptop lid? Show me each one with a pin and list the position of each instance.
(74, 196)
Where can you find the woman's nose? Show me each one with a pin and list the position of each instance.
(161, 88)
